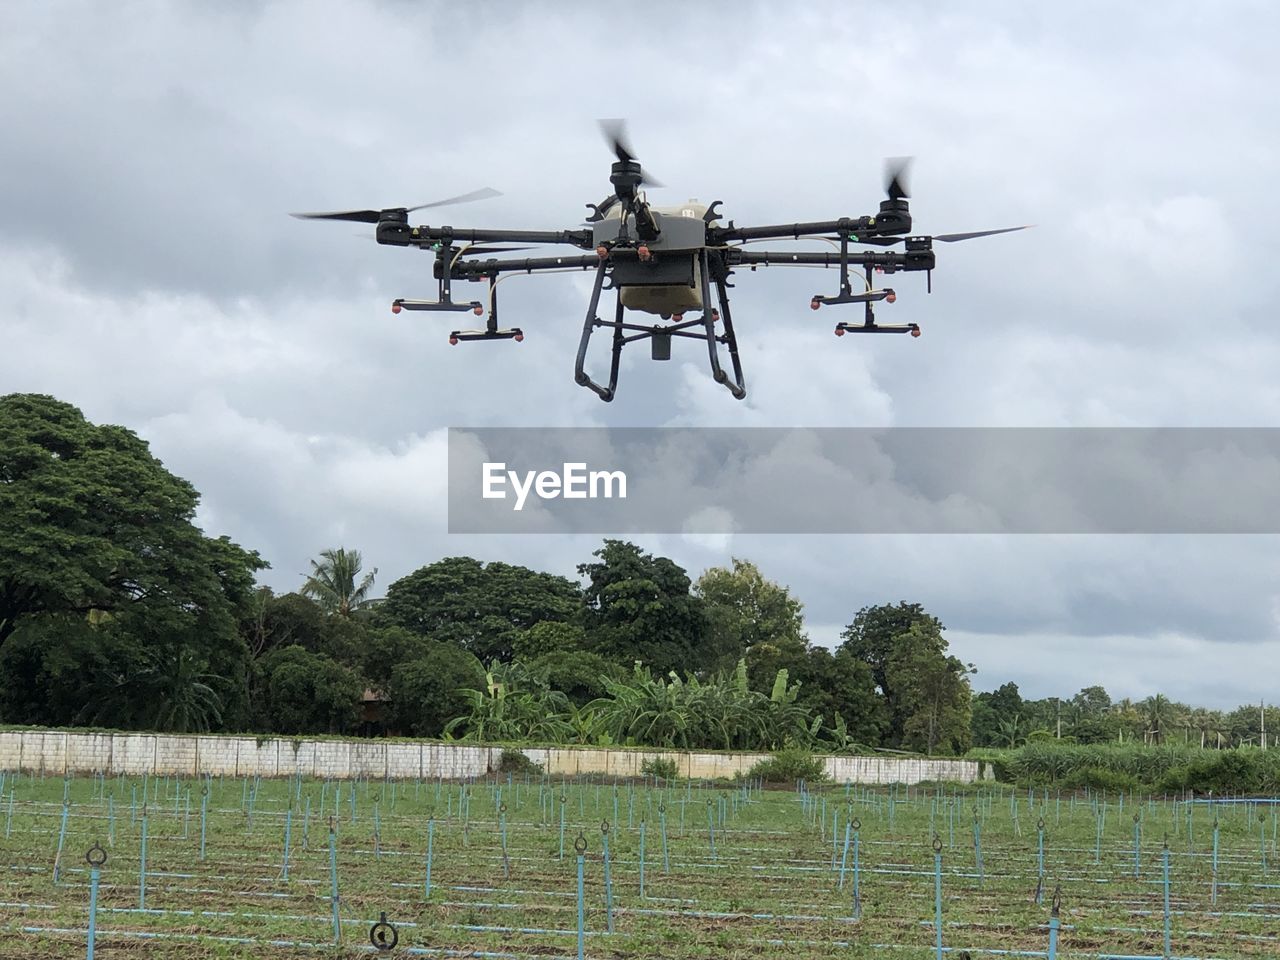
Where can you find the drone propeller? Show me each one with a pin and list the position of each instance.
(953, 237)
(615, 132)
(941, 238)
(476, 250)
(397, 213)
(896, 183)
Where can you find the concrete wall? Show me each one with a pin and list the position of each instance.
(133, 754)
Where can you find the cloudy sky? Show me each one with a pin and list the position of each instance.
(149, 272)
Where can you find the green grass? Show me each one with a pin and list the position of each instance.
(769, 890)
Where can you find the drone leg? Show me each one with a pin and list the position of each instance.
(732, 341)
(588, 327)
(709, 320)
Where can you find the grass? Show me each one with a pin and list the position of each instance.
(772, 887)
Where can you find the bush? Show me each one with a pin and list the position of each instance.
(788, 766)
(661, 768)
(1099, 778)
(514, 761)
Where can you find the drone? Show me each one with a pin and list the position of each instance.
(662, 263)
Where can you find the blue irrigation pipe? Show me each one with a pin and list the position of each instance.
(1054, 923)
(563, 801)
(96, 857)
(1040, 860)
(977, 845)
(306, 823)
(711, 830)
(111, 819)
(62, 839)
(844, 855)
(580, 846)
(1137, 845)
(1167, 953)
(662, 822)
(8, 820)
(333, 880)
(608, 877)
(642, 859)
(857, 873)
(937, 894)
(506, 860)
(204, 816)
(142, 868)
(288, 834)
(1214, 896)
(431, 843)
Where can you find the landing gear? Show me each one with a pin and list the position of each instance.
(660, 334)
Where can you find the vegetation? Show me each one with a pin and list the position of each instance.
(660, 768)
(116, 610)
(792, 765)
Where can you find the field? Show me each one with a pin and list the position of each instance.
(244, 868)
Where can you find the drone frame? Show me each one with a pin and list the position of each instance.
(629, 252)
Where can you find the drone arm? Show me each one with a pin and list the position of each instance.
(865, 226)
(467, 269)
(402, 235)
(924, 260)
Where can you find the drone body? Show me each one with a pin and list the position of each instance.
(662, 262)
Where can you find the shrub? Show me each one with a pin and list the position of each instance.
(788, 766)
(514, 761)
(1099, 778)
(661, 768)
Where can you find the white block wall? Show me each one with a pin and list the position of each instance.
(134, 754)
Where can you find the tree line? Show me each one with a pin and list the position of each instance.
(117, 611)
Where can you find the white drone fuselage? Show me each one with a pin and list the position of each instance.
(672, 282)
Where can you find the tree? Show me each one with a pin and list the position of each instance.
(333, 582)
(425, 693)
(933, 697)
(999, 717)
(639, 608)
(305, 692)
(750, 616)
(840, 689)
(876, 637)
(481, 607)
(91, 524)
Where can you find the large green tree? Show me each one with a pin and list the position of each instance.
(110, 596)
(305, 692)
(481, 607)
(92, 524)
(639, 608)
(749, 615)
(874, 637)
(932, 695)
(999, 717)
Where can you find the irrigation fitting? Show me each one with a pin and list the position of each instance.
(95, 856)
(580, 845)
(383, 935)
(604, 827)
(1055, 908)
(937, 843)
(856, 823)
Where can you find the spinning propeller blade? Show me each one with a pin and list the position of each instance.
(615, 132)
(896, 183)
(373, 216)
(941, 237)
(953, 237)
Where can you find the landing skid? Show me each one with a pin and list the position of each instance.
(660, 334)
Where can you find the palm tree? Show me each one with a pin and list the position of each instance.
(1159, 715)
(332, 583)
